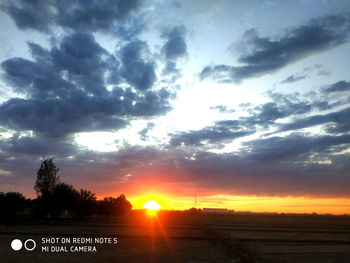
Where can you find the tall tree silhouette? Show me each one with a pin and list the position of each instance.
(47, 178)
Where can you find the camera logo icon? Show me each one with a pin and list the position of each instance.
(17, 244)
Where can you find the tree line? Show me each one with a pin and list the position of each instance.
(57, 199)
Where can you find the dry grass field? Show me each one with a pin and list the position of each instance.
(179, 237)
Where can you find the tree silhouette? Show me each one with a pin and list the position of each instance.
(87, 195)
(55, 197)
(11, 203)
(87, 202)
(111, 205)
(65, 197)
(122, 205)
(47, 178)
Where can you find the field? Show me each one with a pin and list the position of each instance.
(179, 237)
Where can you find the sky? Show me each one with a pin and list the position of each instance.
(245, 104)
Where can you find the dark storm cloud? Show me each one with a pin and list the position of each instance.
(135, 69)
(262, 55)
(175, 45)
(293, 78)
(338, 86)
(92, 15)
(66, 88)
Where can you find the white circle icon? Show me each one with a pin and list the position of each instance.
(32, 246)
(16, 244)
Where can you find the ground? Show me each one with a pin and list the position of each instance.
(179, 237)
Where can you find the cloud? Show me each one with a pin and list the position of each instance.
(95, 15)
(281, 106)
(170, 69)
(338, 122)
(66, 92)
(175, 45)
(324, 73)
(79, 55)
(26, 15)
(41, 15)
(143, 133)
(260, 116)
(173, 48)
(222, 131)
(320, 70)
(221, 108)
(85, 60)
(38, 146)
(135, 69)
(338, 86)
(301, 104)
(57, 118)
(295, 165)
(262, 55)
(276, 148)
(293, 78)
(265, 116)
(300, 172)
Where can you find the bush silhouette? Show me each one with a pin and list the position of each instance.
(114, 206)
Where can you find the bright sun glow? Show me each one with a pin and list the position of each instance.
(152, 205)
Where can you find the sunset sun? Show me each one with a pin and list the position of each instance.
(152, 206)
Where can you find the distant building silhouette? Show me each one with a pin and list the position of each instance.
(215, 210)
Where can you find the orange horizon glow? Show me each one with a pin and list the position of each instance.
(258, 204)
